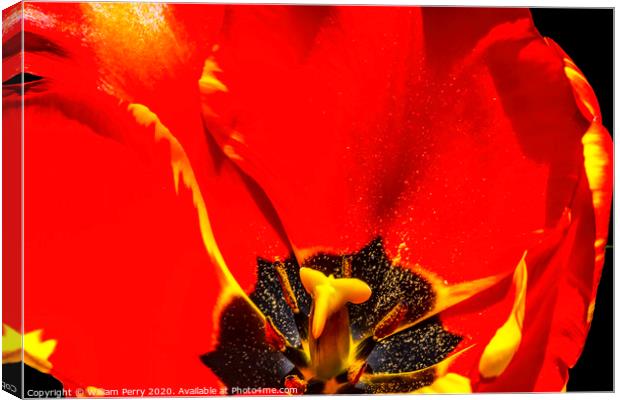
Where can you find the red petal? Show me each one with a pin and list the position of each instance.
(482, 150)
(375, 140)
(296, 99)
(116, 270)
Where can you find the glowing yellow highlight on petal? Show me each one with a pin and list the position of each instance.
(445, 382)
(208, 82)
(127, 36)
(11, 341)
(577, 79)
(597, 144)
(37, 348)
(505, 343)
(36, 351)
(450, 383)
(330, 295)
(182, 171)
(449, 295)
(591, 308)
(598, 163)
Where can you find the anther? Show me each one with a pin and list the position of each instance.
(287, 289)
(295, 382)
(391, 321)
(346, 266)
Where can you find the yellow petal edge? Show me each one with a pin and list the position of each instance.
(501, 349)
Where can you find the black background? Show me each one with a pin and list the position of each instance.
(586, 35)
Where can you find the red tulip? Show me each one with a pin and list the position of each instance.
(453, 171)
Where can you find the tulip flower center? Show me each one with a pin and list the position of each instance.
(339, 323)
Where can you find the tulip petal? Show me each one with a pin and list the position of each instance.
(424, 345)
(504, 344)
(229, 115)
(571, 298)
(526, 179)
(242, 357)
(11, 343)
(597, 149)
(598, 159)
(423, 380)
(103, 212)
(182, 169)
(449, 296)
(342, 203)
(451, 383)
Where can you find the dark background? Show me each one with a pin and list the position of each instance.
(586, 35)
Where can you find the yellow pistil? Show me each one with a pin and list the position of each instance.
(330, 337)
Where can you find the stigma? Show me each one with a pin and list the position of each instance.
(330, 336)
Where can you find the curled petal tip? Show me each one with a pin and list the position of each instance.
(506, 341)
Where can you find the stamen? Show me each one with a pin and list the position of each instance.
(346, 267)
(287, 289)
(355, 372)
(295, 382)
(391, 321)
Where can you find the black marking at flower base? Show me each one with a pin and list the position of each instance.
(243, 358)
(400, 383)
(271, 351)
